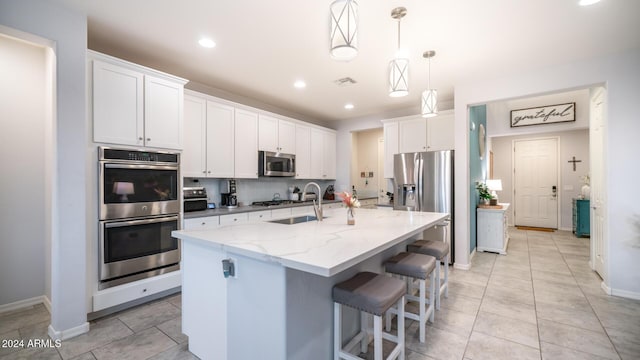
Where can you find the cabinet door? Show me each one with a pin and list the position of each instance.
(117, 105)
(163, 101)
(329, 156)
(268, 133)
(390, 147)
(303, 152)
(193, 162)
(316, 153)
(413, 135)
(286, 137)
(246, 144)
(220, 140)
(440, 133)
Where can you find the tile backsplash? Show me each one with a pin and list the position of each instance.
(250, 190)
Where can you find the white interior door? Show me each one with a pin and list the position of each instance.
(536, 182)
(596, 146)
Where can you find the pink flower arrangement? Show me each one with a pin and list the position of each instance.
(348, 200)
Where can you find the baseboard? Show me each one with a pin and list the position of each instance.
(606, 289)
(625, 294)
(473, 253)
(25, 303)
(69, 333)
(462, 266)
(565, 229)
(47, 303)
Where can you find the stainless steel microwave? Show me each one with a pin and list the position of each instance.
(276, 164)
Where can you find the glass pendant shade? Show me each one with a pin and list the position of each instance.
(344, 30)
(429, 103)
(399, 77)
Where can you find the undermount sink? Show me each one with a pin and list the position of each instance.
(295, 220)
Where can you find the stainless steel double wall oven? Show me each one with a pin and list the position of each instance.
(139, 197)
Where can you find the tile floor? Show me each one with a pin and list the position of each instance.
(541, 301)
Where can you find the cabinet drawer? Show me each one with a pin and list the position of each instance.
(203, 223)
(280, 213)
(260, 215)
(234, 219)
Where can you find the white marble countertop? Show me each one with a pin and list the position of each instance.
(322, 248)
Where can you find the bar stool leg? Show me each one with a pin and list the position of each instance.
(423, 318)
(432, 294)
(363, 327)
(377, 336)
(438, 284)
(401, 328)
(337, 330)
(446, 276)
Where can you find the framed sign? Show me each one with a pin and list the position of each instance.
(544, 115)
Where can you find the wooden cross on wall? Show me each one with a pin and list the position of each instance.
(574, 161)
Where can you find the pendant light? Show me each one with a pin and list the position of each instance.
(429, 96)
(399, 66)
(344, 30)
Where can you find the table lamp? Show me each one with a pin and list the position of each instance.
(494, 185)
(123, 189)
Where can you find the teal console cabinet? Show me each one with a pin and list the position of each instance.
(581, 223)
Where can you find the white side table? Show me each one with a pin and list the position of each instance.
(492, 229)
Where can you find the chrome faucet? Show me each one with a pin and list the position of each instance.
(316, 209)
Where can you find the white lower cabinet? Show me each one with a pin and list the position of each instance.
(369, 203)
(203, 223)
(492, 232)
(260, 215)
(280, 213)
(234, 219)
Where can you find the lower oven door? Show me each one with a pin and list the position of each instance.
(129, 247)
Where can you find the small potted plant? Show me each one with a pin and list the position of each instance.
(485, 193)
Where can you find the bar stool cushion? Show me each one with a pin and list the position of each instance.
(439, 249)
(417, 266)
(369, 292)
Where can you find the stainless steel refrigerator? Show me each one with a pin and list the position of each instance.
(424, 182)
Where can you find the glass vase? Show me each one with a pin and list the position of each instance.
(351, 219)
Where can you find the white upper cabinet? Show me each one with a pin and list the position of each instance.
(440, 132)
(220, 140)
(135, 105)
(193, 162)
(276, 135)
(163, 101)
(303, 152)
(246, 144)
(323, 154)
(390, 147)
(118, 109)
(413, 135)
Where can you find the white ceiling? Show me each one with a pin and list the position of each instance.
(264, 46)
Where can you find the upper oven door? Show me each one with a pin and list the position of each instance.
(277, 164)
(132, 190)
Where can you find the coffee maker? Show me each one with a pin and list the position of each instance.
(230, 198)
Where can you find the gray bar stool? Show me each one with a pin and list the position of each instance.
(414, 266)
(371, 294)
(439, 250)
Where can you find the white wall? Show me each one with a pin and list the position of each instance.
(23, 239)
(499, 113)
(366, 161)
(571, 143)
(620, 74)
(68, 30)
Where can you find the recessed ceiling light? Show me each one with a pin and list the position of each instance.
(587, 2)
(300, 84)
(207, 43)
(348, 106)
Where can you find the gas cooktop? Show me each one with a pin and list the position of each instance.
(272, 202)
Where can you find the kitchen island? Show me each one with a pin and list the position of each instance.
(278, 305)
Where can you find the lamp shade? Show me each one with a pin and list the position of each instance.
(494, 184)
(399, 77)
(123, 188)
(429, 103)
(344, 30)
